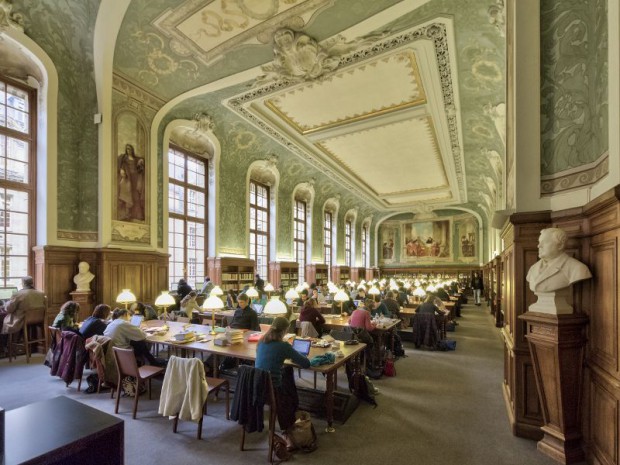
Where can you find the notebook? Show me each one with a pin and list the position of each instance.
(136, 320)
(302, 346)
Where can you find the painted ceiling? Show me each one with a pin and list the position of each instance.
(402, 103)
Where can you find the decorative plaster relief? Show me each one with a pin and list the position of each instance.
(79, 236)
(8, 18)
(131, 232)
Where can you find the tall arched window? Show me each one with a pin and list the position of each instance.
(17, 180)
(364, 246)
(187, 216)
(299, 237)
(327, 240)
(347, 243)
(259, 226)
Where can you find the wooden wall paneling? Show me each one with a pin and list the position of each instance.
(604, 424)
(520, 236)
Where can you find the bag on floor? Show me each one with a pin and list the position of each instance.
(447, 344)
(129, 384)
(302, 432)
(450, 326)
(360, 385)
(389, 369)
(280, 451)
(399, 351)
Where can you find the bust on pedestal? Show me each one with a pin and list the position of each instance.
(556, 338)
(83, 295)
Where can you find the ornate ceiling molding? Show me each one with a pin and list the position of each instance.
(437, 33)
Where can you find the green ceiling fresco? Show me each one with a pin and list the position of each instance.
(64, 31)
(574, 83)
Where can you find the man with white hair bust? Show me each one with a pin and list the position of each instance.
(556, 269)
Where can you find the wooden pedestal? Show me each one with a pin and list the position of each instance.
(557, 344)
(86, 300)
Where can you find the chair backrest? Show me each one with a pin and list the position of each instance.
(35, 316)
(126, 362)
(55, 334)
(245, 390)
(308, 329)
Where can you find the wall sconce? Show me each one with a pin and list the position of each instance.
(126, 297)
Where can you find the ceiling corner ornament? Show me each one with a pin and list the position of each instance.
(297, 57)
(203, 122)
(8, 19)
(497, 16)
(424, 212)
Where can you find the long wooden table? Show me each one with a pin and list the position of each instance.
(65, 432)
(247, 351)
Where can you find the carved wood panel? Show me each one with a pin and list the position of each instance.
(604, 424)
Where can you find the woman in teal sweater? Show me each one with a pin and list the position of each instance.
(271, 353)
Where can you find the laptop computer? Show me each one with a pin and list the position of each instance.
(6, 293)
(136, 320)
(302, 346)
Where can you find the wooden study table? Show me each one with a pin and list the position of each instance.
(65, 432)
(174, 327)
(247, 351)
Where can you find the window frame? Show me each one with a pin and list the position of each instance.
(30, 187)
(364, 246)
(300, 245)
(253, 251)
(187, 218)
(328, 230)
(348, 228)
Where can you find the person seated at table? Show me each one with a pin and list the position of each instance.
(310, 312)
(189, 305)
(125, 335)
(148, 312)
(360, 318)
(442, 293)
(231, 298)
(348, 306)
(379, 309)
(303, 297)
(430, 305)
(361, 294)
(66, 320)
(391, 304)
(402, 297)
(317, 296)
(271, 352)
(183, 288)
(245, 317)
(96, 323)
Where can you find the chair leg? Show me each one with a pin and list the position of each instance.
(272, 428)
(118, 394)
(227, 400)
(10, 347)
(135, 400)
(242, 437)
(175, 422)
(149, 387)
(199, 433)
(315, 380)
(26, 343)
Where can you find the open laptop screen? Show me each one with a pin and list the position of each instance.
(136, 320)
(302, 346)
(7, 292)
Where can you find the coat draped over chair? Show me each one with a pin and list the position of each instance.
(69, 357)
(425, 330)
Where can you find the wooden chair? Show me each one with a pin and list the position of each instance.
(242, 390)
(127, 365)
(214, 385)
(34, 318)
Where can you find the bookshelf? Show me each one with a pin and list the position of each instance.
(284, 273)
(231, 272)
(341, 274)
(317, 273)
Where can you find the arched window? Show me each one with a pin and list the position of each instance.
(347, 243)
(17, 180)
(365, 246)
(259, 226)
(327, 240)
(187, 216)
(299, 237)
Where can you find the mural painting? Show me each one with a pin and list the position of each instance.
(466, 234)
(388, 239)
(429, 239)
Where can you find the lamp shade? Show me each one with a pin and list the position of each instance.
(291, 294)
(126, 297)
(341, 296)
(217, 290)
(269, 287)
(419, 292)
(213, 303)
(374, 291)
(275, 307)
(164, 300)
(251, 293)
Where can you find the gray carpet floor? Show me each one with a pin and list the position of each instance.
(442, 408)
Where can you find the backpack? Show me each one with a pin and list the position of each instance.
(361, 386)
(129, 384)
(280, 451)
(399, 351)
(302, 432)
(389, 369)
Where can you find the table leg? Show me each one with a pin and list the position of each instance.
(216, 366)
(329, 402)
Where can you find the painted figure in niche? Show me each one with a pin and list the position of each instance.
(131, 185)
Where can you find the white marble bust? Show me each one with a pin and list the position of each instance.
(83, 278)
(552, 276)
